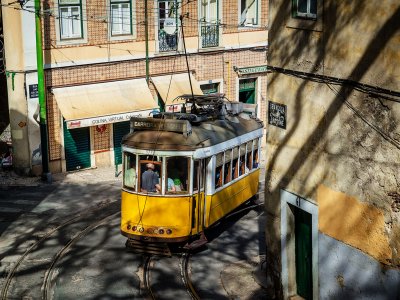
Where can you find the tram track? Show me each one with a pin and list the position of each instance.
(185, 273)
(80, 216)
(47, 281)
(184, 267)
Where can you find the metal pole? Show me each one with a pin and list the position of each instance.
(41, 92)
(146, 33)
(184, 48)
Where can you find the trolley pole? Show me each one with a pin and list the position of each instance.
(42, 96)
(184, 48)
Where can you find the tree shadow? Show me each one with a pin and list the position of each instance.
(306, 51)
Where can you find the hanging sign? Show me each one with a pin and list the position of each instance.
(170, 25)
(277, 114)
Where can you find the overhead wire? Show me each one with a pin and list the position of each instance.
(105, 18)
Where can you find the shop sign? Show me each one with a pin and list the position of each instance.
(106, 119)
(277, 114)
(251, 70)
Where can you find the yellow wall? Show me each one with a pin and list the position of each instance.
(358, 224)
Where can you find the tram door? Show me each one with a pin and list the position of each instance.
(198, 203)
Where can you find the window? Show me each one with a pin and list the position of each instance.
(209, 23)
(256, 154)
(70, 12)
(210, 88)
(167, 25)
(248, 12)
(150, 182)
(177, 176)
(130, 172)
(121, 17)
(227, 166)
(235, 163)
(306, 9)
(218, 170)
(249, 158)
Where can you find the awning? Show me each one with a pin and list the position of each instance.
(102, 103)
(171, 86)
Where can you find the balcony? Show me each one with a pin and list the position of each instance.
(209, 36)
(167, 42)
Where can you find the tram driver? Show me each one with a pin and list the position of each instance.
(150, 180)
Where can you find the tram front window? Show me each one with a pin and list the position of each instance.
(130, 171)
(177, 176)
(150, 174)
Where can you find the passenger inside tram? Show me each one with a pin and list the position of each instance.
(130, 171)
(177, 174)
(150, 179)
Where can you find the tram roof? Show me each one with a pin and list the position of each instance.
(203, 134)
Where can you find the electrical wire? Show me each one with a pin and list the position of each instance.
(386, 136)
(103, 19)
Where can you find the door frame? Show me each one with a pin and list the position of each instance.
(288, 242)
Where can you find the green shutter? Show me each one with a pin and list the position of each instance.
(120, 129)
(303, 250)
(77, 148)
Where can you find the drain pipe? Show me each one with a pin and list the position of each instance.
(46, 175)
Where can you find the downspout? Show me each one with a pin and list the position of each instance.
(46, 175)
(146, 34)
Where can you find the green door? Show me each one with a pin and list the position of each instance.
(303, 250)
(119, 130)
(247, 91)
(77, 148)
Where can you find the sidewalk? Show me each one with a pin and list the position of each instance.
(9, 178)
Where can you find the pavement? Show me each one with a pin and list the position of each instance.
(241, 280)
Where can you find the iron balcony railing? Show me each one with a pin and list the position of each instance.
(209, 36)
(167, 42)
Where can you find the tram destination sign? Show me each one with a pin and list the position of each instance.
(181, 126)
(277, 114)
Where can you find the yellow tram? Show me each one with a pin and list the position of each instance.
(205, 159)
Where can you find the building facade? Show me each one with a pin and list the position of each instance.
(332, 184)
(106, 61)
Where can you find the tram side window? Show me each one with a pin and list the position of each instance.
(177, 176)
(249, 159)
(150, 174)
(235, 163)
(227, 167)
(242, 169)
(255, 155)
(198, 182)
(218, 170)
(130, 171)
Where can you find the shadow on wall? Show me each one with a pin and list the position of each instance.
(292, 49)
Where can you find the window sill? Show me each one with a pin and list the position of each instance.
(250, 27)
(211, 49)
(304, 23)
(71, 42)
(122, 37)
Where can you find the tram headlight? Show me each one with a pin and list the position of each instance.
(161, 231)
(134, 228)
(128, 227)
(169, 231)
(150, 230)
(141, 229)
